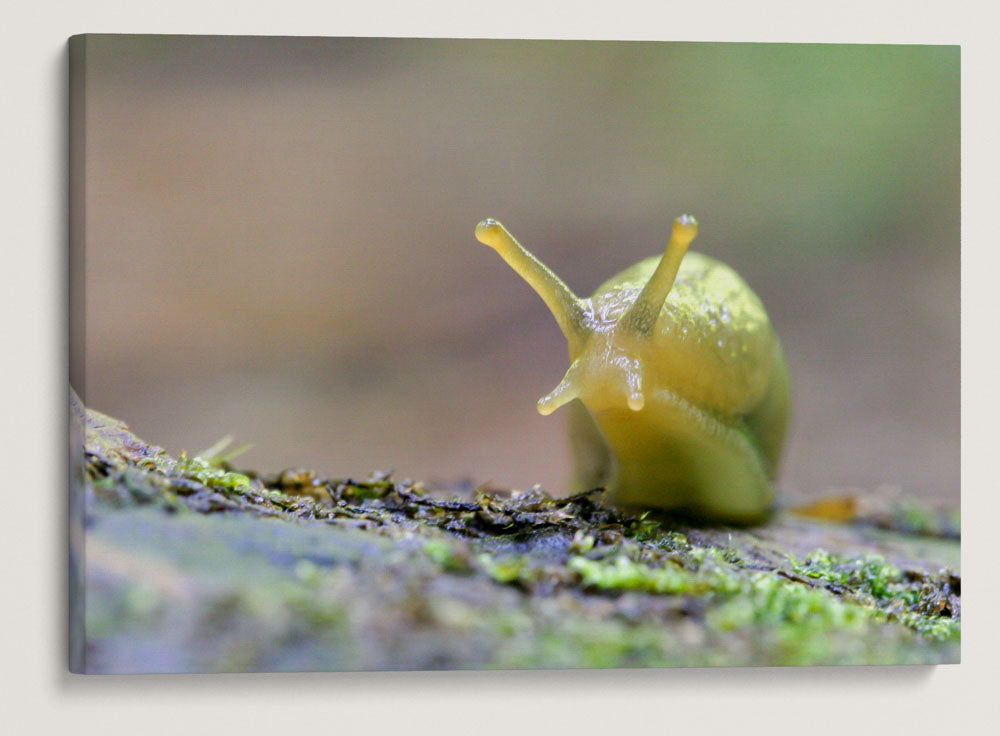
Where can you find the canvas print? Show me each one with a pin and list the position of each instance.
(472, 354)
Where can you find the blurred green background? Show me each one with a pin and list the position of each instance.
(279, 240)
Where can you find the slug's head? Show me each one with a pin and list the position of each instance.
(609, 360)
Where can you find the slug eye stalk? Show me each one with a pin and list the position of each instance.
(641, 317)
(559, 298)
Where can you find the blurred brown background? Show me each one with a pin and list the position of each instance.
(279, 240)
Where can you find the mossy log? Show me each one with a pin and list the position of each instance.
(186, 565)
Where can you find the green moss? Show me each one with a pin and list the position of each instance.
(203, 471)
(913, 600)
(770, 601)
(938, 628)
(642, 528)
(794, 614)
(624, 574)
(869, 574)
(508, 569)
(446, 555)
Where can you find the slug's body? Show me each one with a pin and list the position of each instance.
(683, 381)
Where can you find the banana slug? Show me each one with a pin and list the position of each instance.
(677, 386)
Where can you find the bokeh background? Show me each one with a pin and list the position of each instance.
(279, 240)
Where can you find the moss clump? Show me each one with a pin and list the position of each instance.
(508, 569)
(769, 601)
(209, 474)
(449, 556)
(624, 574)
(866, 575)
(927, 603)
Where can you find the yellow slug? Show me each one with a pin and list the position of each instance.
(677, 383)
